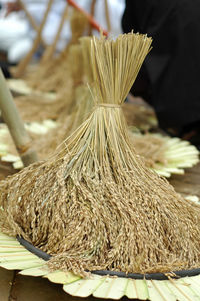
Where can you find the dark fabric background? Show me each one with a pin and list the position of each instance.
(171, 73)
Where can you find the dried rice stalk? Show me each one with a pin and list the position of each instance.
(95, 205)
(85, 44)
(70, 67)
(151, 148)
(140, 116)
(70, 114)
(38, 108)
(51, 76)
(46, 145)
(83, 105)
(70, 109)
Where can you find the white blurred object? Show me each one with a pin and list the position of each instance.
(19, 49)
(12, 28)
(192, 198)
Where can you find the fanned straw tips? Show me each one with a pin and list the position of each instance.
(95, 206)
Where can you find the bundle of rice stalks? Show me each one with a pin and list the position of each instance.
(47, 135)
(69, 114)
(33, 108)
(38, 108)
(47, 145)
(142, 117)
(51, 76)
(83, 104)
(95, 206)
(20, 87)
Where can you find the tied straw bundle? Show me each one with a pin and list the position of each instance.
(46, 145)
(151, 148)
(43, 108)
(142, 117)
(81, 108)
(69, 109)
(51, 75)
(38, 108)
(95, 205)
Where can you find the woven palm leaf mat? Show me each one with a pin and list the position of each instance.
(176, 154)
(13, 256)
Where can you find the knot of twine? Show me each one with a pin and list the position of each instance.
(108, 105)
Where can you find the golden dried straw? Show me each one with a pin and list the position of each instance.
(86, 49)
(51, 75)
(151, 148)
(95, 205)
(140, 116)
(46, 144)
(38, 108)
(82, 104)
(70, 108)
